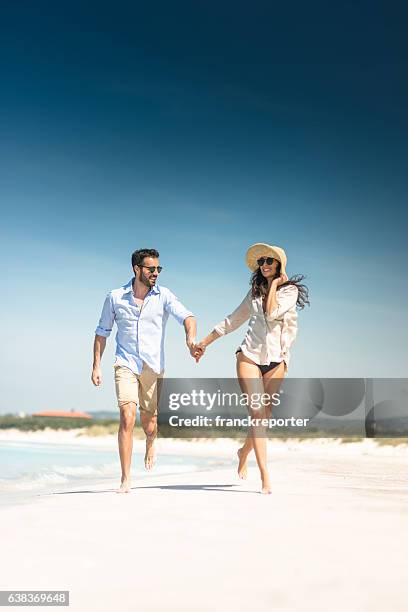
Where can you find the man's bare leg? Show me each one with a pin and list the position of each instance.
(149, 424)
(125, 440)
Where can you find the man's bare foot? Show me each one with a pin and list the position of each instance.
(266, 485)
(242, 464)
(124, 486)
(150, 456)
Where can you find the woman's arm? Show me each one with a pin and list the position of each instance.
(199, 349)
(214, 335)
(271, 300)
(236, 318)
(227, 325)
(289, 332)
(285, 299)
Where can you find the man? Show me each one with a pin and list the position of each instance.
(140, 309)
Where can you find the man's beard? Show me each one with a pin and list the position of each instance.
(144, 279)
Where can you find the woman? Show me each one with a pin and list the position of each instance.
(263, 356)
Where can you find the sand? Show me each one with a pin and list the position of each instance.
(332, 536)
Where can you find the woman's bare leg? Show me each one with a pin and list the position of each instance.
(250, 380)
(271, 383)
(260, 442)
(246, 370)
(243, 453)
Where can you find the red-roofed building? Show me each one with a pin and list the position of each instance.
(61, 413)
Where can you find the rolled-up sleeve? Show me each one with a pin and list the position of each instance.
(236, 318)
(286, 299)
(176, 308)
(107, 318)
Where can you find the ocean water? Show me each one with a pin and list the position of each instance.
(32, 469)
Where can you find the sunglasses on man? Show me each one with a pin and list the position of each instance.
(153, 268)
(262, 260)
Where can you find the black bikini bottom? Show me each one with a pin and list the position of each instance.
(264, 368)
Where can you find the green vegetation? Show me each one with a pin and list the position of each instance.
(86, 427)
(104, 427)
(391, 441)
(35, 423)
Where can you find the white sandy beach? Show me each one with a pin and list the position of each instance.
(333, 535)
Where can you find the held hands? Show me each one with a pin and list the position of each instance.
(199, 351)
(196, 350)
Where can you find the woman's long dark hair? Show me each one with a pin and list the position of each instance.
(259, 286)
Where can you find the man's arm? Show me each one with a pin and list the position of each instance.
(98, 348)
(183, 316)
(190, 326)
(101, 333)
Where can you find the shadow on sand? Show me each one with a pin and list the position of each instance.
(218, 488)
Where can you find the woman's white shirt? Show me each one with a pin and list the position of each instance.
(268, 337)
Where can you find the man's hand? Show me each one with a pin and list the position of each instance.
(192, 347)
(99, 347)
(96, 376)
(199, 351)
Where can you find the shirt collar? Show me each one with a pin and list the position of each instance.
(128, 288)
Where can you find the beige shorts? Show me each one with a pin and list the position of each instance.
(142, 389)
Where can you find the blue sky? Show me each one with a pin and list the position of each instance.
(198, 129)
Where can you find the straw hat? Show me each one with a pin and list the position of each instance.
(260, 249)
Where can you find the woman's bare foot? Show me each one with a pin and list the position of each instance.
(242, 464)
(124, 486)
(266, 484)
(150, 456)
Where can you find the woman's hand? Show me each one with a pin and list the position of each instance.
(280, 280)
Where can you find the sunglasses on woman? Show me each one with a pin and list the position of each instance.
(153, 268)
(262, 260)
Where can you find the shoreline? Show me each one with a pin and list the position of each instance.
(208, 446)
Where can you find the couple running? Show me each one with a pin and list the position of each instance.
(141, 309)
